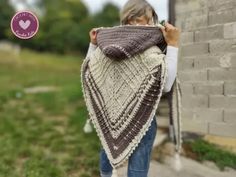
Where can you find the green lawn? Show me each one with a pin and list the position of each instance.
(41, 135)
(202, 150)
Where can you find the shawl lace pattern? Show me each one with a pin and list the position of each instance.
(122, 83)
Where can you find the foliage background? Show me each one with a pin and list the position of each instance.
(64, 25)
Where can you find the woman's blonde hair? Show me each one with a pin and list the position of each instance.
(136, 8)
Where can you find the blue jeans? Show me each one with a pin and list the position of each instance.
(139, 161)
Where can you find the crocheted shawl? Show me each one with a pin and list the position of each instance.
(122, 83)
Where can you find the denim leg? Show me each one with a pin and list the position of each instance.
(105, 166)
(138, 164)
(139, 161)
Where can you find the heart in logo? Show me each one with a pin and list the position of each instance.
(24, 25)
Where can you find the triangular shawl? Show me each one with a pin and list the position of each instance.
(122, 83)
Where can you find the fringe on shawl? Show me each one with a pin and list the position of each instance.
(175, 127)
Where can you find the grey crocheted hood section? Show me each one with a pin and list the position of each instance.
(125, 41)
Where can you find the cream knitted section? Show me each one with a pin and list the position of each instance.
(112, 88)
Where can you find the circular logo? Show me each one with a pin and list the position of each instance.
(24, 24)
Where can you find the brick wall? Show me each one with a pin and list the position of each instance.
(207, 65)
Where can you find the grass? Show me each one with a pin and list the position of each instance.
(202, 150)
(41, 135)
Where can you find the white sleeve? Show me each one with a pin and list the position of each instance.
(171, 59)
(91, 48)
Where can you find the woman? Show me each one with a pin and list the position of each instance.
(140, 12)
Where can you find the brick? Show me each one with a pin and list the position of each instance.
(230, 30)
(222, 46)
(186, 63)
(233, 60)
(221, 17)
(222, 129)
(222, 74)
(194, 126)
(181, 19)
(195, 101)
(187, 113)
(230, 88)
(186, 88)
(203, 114)
(208, 114)
(213, 88)
(230, 115)
(218, 5)
(186, 6)
(195, 75)
(220, 101)
(210, 33)
(179, 23)
(204, 62)
(195, 49)
(196, 22)
(186, 37)
(225, 61)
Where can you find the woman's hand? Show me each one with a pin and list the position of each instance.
(93, 36)
(171, 34)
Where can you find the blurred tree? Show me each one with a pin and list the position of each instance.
(109, 15)
(59, 26)
(78, 36)
(64, 25)
(6, 13)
